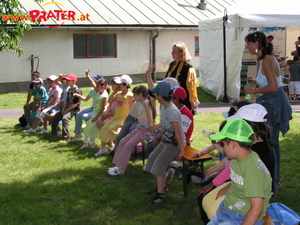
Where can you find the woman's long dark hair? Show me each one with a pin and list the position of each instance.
(264, 131)
(263, 44)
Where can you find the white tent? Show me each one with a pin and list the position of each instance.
(211, 46)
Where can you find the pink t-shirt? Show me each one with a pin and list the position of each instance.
(54, 93)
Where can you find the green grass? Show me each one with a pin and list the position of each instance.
(46, 182)
(17, 100)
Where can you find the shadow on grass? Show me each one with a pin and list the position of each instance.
(90, 196)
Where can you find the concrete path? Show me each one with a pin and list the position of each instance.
(204, 108)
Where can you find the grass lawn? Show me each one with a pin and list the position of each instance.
(46, 182)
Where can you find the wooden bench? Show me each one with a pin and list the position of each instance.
(268, 220)
(188, 161)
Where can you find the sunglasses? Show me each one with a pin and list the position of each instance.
(124, 84)
(222, 144)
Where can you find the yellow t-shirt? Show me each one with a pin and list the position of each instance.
(123, 105)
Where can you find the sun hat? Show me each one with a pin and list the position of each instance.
(179, 92)
(125, 79)
(172, 81)
(52, 77)
(163, 89)
(71, 77)
(253, 112)
(235, 129)
(97, 77)
(38, 80)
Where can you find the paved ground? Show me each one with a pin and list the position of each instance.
(206, 108)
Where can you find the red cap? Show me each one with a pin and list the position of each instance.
(179, 93)
(71, 77)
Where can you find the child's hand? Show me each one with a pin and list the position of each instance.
(94, 119)
(150, 69)
(180, 154)
(250, 79)
(87, 72)
(197, 154)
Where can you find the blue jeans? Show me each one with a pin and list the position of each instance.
(85, 114)
(225, 217)
(129, 125)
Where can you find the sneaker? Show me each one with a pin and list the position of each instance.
(112, 168)
(102, 151)
(94, 145)
(195, 179)
(44, 131)
(30, 130)
(28, 125)
(158, 197)
(170, 175)
(115, 172)
(155, 190)
(84, 146)
(77, 137)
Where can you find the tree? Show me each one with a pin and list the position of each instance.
(12, 27)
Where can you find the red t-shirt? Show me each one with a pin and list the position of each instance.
(187, 122)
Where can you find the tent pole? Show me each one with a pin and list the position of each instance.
(225, 19)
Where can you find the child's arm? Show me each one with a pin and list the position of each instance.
(104, 101)
(154, 127)
(220, 166)
(82, 97)
(255, 211)
(29, 95)
(223, 191)
(34, 104)
(64, 112)
(149, 78)
(204, 151)
(50, 102)
(93, 83)
(148, 113)
(178, 137)
(39, 104)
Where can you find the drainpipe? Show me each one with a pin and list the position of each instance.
(154, 55)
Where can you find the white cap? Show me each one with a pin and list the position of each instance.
(125, 79)
(52, 77)
(252, 112)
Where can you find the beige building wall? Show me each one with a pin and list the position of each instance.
(54, 49)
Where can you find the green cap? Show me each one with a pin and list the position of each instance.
(235, 129)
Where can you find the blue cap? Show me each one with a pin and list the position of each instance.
(163, 89)
(97, 77)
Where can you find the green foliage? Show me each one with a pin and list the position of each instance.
(12, 30)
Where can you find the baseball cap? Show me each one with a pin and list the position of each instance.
(52, 77)
(235, 129)
(172, 81)
(38, 80)
(71, 77)
(179, 92)
(97, 77)
(252, 112)
(125, 79)
(163, 89)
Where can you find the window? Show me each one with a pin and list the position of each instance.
(94, 45)
(196, 46)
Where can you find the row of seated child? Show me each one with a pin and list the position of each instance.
(242, 193)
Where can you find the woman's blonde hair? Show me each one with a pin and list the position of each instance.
(186, 56)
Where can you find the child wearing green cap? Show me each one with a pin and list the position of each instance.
(248, 197)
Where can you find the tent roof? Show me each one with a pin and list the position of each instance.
(253, 20)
